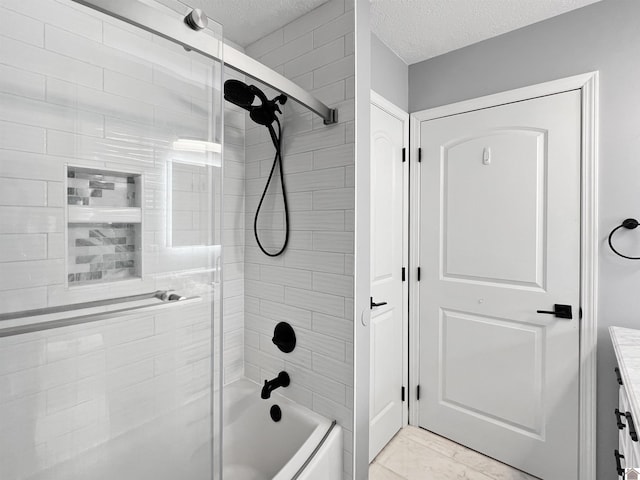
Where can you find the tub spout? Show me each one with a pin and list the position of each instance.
(282, 380)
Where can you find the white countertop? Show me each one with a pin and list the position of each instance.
(626, 343)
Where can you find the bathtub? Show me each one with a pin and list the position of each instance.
(178, 445)
(302, 445)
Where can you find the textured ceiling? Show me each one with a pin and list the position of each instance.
(245, 21)
(419, 29)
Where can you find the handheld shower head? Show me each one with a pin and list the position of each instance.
(239, 93)
(263, 113)
(243, 95)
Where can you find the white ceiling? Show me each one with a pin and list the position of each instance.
(245, 21)
(419, 29)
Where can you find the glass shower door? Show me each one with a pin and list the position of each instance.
(110, 233)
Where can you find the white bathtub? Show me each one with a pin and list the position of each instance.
(257, 448)
(178, 445)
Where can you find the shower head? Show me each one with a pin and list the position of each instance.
(263, 113)
(238, 93)
(243, 95)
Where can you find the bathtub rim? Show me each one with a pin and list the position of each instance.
(315, 451)
(304, 454)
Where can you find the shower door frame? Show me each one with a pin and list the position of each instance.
(155, 21)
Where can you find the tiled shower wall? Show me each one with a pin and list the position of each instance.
(311, 284)
(78, 88)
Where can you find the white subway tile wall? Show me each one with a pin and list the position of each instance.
(311, 284)
(78, 88)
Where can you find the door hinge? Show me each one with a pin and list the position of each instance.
(404, 154)
(419, 154)
(403, 394)
(404, 274)
(418, 392)
(418, 273)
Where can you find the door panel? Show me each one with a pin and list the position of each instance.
(466, 370)
(511, 190)
(387, 141)
(499, 240)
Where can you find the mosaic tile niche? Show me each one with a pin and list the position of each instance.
(101, 189)
(103, 251)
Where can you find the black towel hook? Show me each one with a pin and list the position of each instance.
(629, 223)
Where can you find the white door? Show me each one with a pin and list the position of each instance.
(387, 235)
(499, 240)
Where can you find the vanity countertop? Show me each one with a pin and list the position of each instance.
(626, 343)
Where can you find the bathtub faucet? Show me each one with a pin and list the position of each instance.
(282, 380)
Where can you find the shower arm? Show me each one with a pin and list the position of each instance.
(177, 30)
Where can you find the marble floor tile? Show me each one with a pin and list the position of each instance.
(378, 472)
(415, 461)
(416, 454)
(490, 467)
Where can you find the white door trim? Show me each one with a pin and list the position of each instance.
(588, 85)
(395, 111)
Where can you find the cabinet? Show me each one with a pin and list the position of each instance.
(626, 344)
(628, 453)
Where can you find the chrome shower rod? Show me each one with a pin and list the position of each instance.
(181, 31)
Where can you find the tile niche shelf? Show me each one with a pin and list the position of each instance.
(104, 226)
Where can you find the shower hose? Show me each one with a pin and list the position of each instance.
(276, 138)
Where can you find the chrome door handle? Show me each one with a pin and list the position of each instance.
(374, 304)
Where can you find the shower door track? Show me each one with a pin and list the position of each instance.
(174, 29)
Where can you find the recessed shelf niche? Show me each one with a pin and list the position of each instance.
(104, 229)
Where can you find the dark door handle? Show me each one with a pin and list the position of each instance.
(619, 468)
(619, 416)
(560, 311)
(632, 427)
(618, 377)
(374, 304)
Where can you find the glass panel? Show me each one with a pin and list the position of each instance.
(110, 186)
(191, 198)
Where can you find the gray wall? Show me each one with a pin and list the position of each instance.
(389, 74)
(606, 37)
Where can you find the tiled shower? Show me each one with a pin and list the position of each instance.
(112, 184)
(311, 285)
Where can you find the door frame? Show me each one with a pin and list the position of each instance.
(587, 83)
(395, 111)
